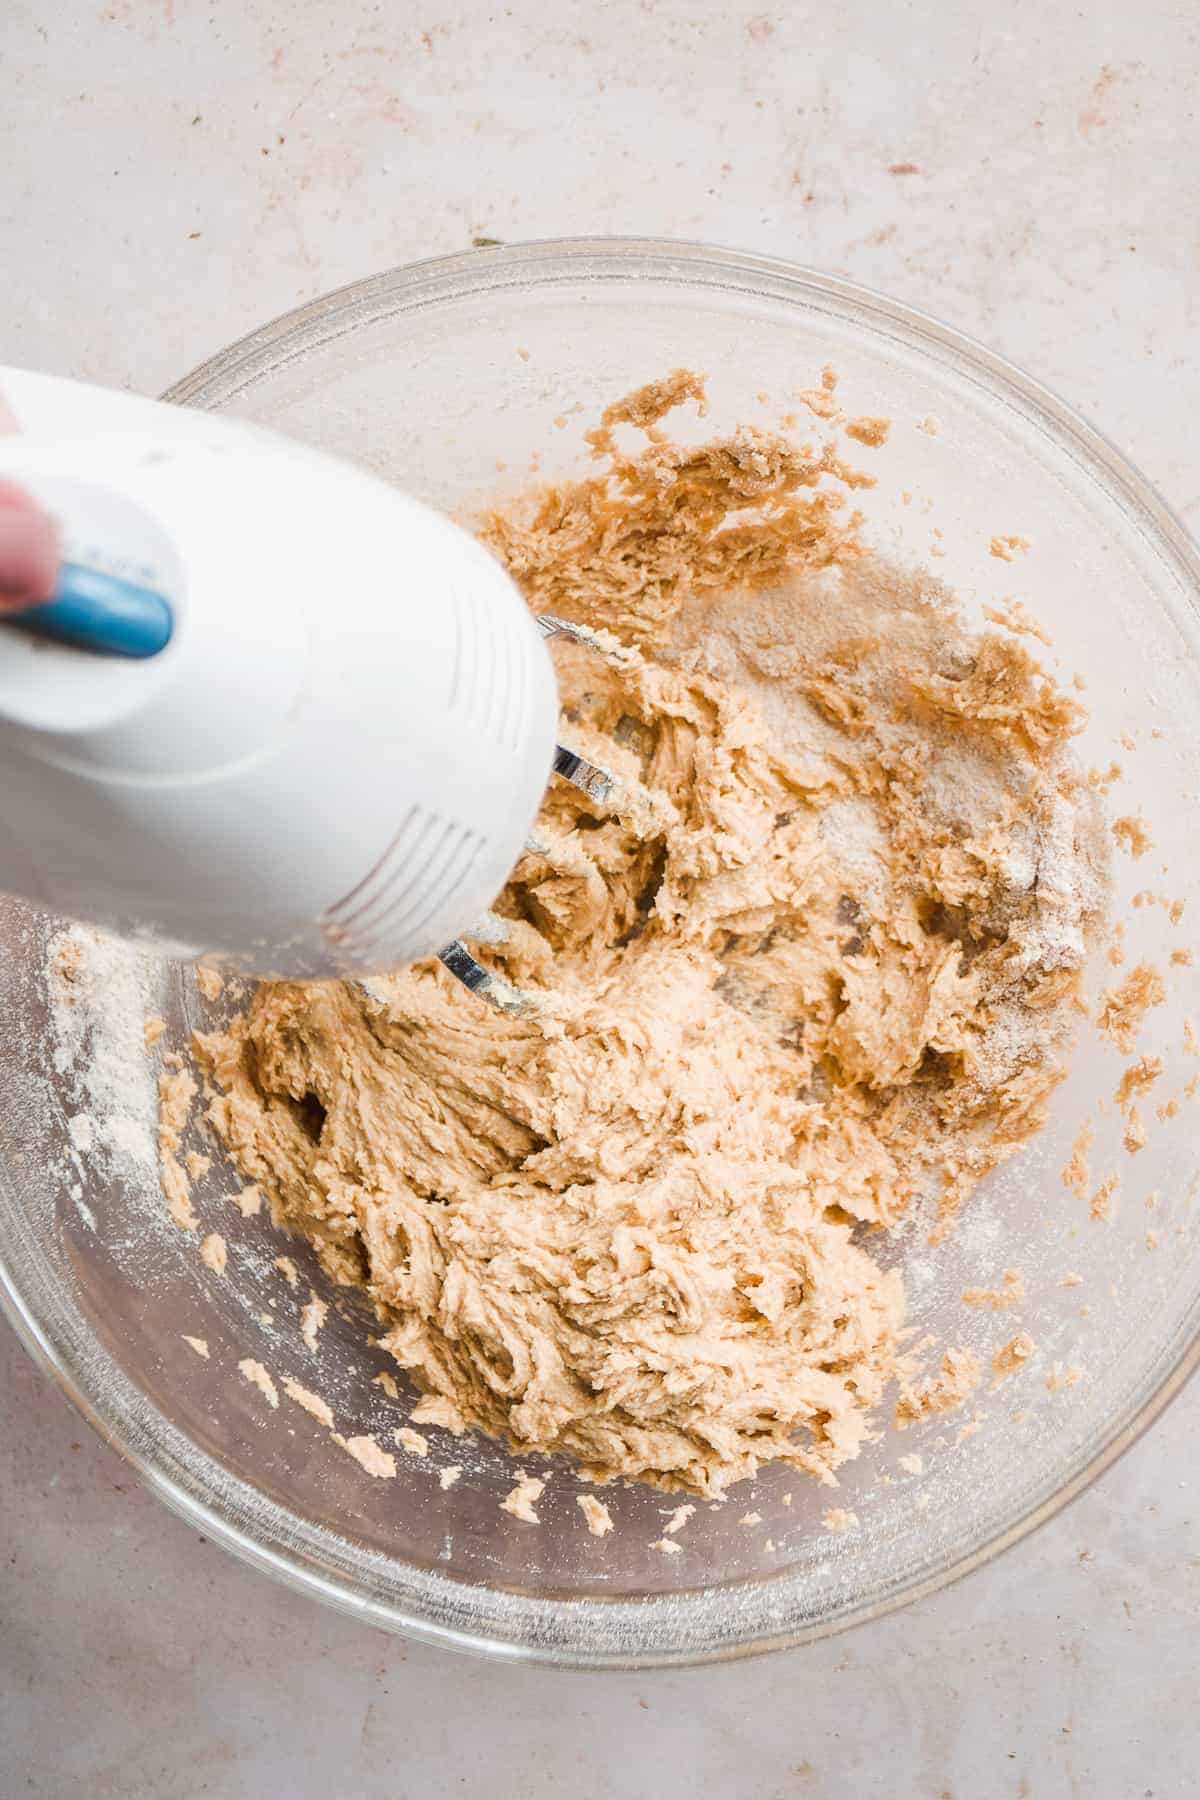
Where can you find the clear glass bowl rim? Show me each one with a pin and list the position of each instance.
(693, 1627)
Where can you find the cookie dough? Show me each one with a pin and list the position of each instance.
(825, 972)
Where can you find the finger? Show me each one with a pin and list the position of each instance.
(29, 550)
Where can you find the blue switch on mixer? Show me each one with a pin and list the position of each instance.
(101, 612)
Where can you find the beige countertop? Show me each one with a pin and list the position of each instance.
(176, 173)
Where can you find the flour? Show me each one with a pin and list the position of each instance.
(851, 832)
(82, 1132)
(101, 992)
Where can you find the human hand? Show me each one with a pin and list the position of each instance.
(29, 550)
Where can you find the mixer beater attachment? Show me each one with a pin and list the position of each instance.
(596, 782)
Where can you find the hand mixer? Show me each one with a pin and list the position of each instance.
(276, 712)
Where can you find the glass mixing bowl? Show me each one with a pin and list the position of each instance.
(454, 378)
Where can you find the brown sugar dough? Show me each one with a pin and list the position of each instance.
(830, 976)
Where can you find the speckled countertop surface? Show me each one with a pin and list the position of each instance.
(174, 174)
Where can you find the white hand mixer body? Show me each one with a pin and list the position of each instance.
(332, 763)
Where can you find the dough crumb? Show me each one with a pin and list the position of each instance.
(1062, 1375)
(248, 1202)
(652, 402)
(1016, 617)
(388, 1384)
(1138, 1079)
(750, 1518)
(998, 1299)
(312, 1403)
(1102, 780)
(912, 1464)
(258, 1377)
(931, 425)
(668, 1546)
(209, 981)
(1124, 1007)
(1130, 832)
(599, 1520)
(369, 1455)
(839, 1518)
(1100, 1203)
(313, 1315)
(1071, 1279)
(1076, 1174)
(1134, 1136)
(1007, 546)
(677, 1520)
(198, 1344)
(436, 1409)
(957, 1377)
(1182, 957)
(520, 1501)
(197, 1164)
(67, 962)
(820, 401)
(176, 1091)
(153, 1029)
(288, 1270)
(214, 1252)
(449, 1475)
(1010, 1356)
(412, 1440)
(872, 432)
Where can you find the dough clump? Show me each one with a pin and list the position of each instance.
(824, 970)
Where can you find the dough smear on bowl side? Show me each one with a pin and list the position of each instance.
(832, 972)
